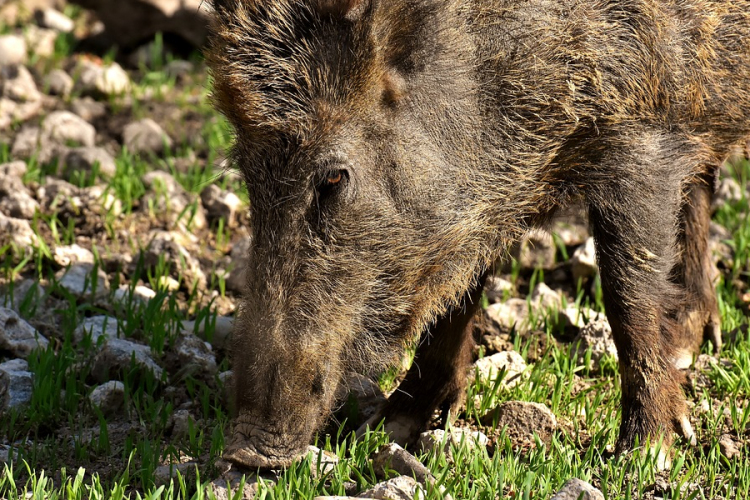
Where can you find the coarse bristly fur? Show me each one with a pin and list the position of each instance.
(393, 149)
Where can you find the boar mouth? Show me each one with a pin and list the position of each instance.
(255, 447)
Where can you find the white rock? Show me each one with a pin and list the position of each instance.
(88, 109)
(192, 351)
(10, 185)
(56, 193)
(54, 20)
(7, 113)
(116, 355)
(86, 159)
(729, 191)
(596, 335)
(227, 487)
(537, 250)
(17, 232)
(19, 98)
(160, 181)
(144, 292)
(583, 263)
(164, 474)
(575, 489)
(570, 233)
(496, 288)
(578, 316)
(26, 143)
(59, 83)
(145, 136)
(168, 283)
(217, 332)
(112, 80)
(521, 420)
(179, 68)
(166, 198)
(85, 74)
(71, 254)
(221, 204)
(16, 384)
(165, 246)
(398, 488)
(12, 50)
(101, 200)
(96, 326)
(78, 280)
(509, 314)
(141, 294)
(544, 298)
(19, 205)
(61, 127)
(13, 169)
(40, 40)
(392, 457)
(22, 291)
(490, 367)
(17, 336)
(366, 393)
(109, 80)
(439, 439)
(18, 85)
(182, 421)
(108, 397)
(728, 447)
(321, 461)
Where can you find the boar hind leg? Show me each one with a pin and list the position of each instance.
(634, 207)
(699, 318)
(437, 378)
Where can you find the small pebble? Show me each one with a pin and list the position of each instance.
(575, 489)
(62, 127)
(12, 50)
(16, 384)
(145, 136)
(108, 397)
(59, 83)
(54, 20)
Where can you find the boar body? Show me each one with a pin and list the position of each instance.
(394, 149)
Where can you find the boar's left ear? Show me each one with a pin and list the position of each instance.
(348, 9)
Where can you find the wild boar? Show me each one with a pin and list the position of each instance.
(394, 149)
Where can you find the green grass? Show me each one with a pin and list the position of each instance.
(77, 463)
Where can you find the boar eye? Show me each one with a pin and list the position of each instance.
(331, 180)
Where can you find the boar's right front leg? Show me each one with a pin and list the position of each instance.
(437, 378)
(634, 205)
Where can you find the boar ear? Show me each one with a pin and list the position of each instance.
(348, 9)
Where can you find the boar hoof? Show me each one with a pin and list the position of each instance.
(661, 450)
(686, 430)
(663, 460)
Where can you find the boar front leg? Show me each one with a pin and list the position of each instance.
(634, 205)
(437, 378)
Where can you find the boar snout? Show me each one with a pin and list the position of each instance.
(256, 445)
(285, 381)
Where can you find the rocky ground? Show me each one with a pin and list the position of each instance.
(123, 236)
